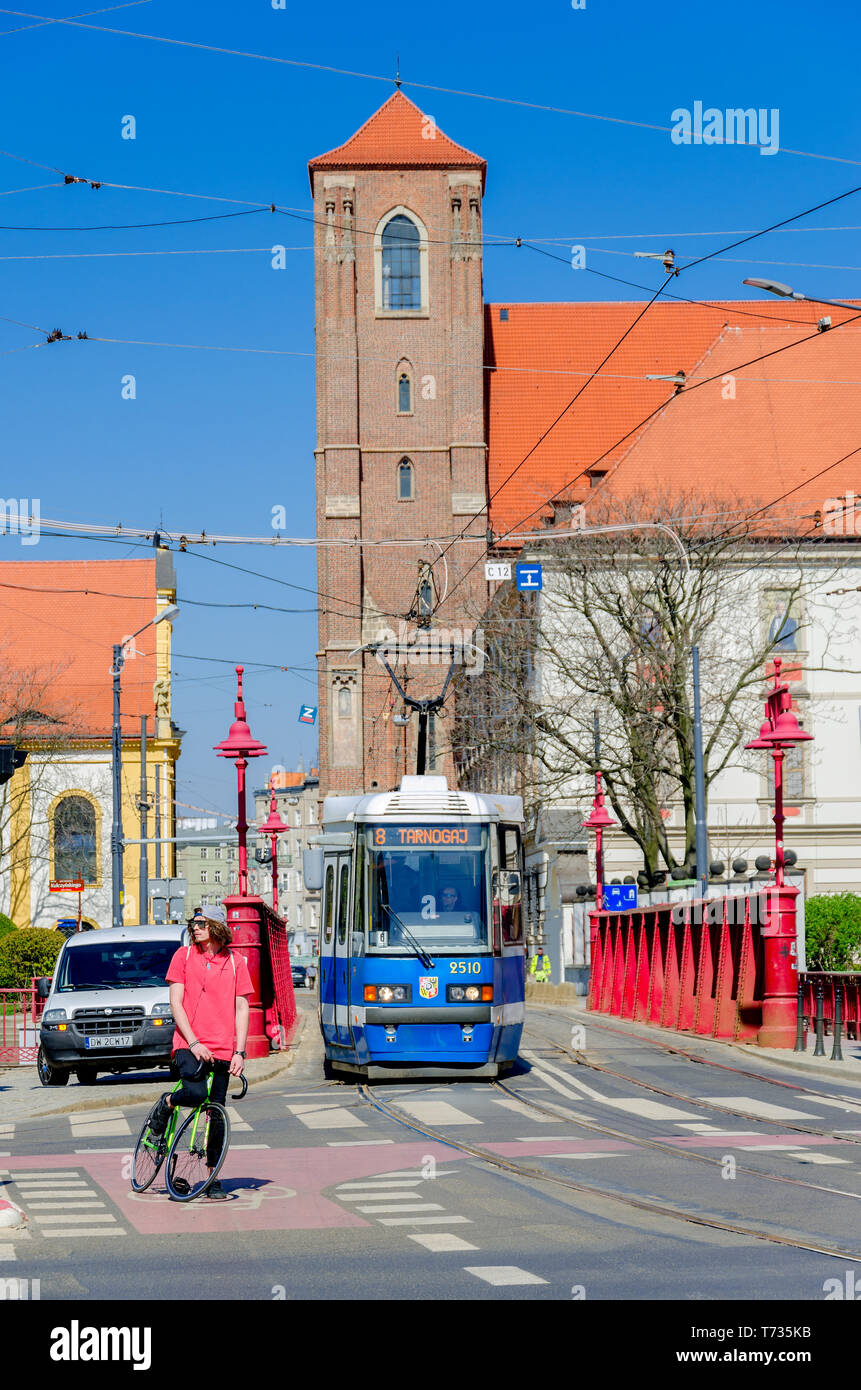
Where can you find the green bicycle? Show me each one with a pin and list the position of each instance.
(202, 1136)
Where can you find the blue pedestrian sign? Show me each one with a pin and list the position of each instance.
(529, 576)
(619, 897)
(307, 714)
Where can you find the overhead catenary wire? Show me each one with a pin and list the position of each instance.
(404, 82)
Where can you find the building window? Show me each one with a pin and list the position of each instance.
(203, 876)
(405, 481)
(794, 781)
(401, 265)
(217, 876)
(345, 709)
(218, 851)
(74, 824)
(204, 852)
(405, 394)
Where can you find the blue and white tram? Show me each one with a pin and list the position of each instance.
(422, 962)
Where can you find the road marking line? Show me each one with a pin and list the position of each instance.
(519, 1106)
(236, 1120)
(808, 1157)
(103, 1149)
(768, 1148)
(441, 1241)
(761, 1108)
(108, 1130)
(355, 1143)
(375, 1186)
(250, 1146)
(7, 1252)
(425, 1220)
(84, 1216)
(332, 1117)
(77, 1232)
(503, 1275)
(7, 1131)
(88, 1202)
(402, 1207)
(814, 1100)
(436, 1112)
(41, 1173)
(702, 1129)
(417, 1173)
(366, 1196)
(648, 1109)
(581, 1155)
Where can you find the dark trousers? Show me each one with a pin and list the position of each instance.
(193, 1091)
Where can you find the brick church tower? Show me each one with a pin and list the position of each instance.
(401, 451)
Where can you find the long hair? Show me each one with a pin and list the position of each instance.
(219, 932)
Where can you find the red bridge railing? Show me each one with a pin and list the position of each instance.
(847, 982)
(693, 966)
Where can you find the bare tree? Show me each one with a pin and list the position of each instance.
(612, 632)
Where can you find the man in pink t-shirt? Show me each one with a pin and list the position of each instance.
(209, 991)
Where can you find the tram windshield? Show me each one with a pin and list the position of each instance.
(431, 880)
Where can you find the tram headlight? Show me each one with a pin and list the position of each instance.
(472, 993)
(385, 994)
(388, 994)
(456, 993)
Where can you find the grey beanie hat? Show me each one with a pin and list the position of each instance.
(214, 914)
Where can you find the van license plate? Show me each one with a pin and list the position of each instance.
(112, 1040)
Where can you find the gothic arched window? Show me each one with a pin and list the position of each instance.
(405, 481)
(74, 829)
(405, 394)
(345, 702)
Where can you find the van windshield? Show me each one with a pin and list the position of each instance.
(123, 965)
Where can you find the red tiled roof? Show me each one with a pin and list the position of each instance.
(398, 135)
(59, 645)
(758, 446)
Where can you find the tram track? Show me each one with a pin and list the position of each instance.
(675, 1051)
(651, 1206)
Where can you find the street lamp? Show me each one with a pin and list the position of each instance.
(780, 731)
(166, 614)
(273, 827)
(240, 745)
(787, 292)
(599, 820)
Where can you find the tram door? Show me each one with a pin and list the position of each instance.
(341, 953)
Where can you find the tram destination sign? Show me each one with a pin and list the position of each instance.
(420, 836)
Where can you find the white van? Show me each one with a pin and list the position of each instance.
(107, 1005)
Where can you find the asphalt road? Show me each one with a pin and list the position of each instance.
(677, 1180)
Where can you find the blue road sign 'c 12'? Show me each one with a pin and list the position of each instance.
(529, 576)
(307, 714)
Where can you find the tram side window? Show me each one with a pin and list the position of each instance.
(343, 903)
(509, 855)
(330, 903)
(359, 914)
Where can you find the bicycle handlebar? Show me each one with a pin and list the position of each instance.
(203, 1067)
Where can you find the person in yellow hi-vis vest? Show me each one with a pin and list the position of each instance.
(539, 967)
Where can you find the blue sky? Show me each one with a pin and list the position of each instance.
(215, 440)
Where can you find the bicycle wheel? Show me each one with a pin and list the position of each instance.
(149, 1154)
(202, 1138)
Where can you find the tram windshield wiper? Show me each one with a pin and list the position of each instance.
(416, 945)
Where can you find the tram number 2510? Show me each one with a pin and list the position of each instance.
(464, 967)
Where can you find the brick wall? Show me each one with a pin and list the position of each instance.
(361, 438)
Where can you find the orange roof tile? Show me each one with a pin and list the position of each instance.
(541, 354)
(57, 641)
(398, 135)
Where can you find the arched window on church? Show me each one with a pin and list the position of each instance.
(74, 831)
(345, 702)
(401, 268)
(406, 481)
(405, 394)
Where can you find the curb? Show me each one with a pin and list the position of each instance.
(11, 1216)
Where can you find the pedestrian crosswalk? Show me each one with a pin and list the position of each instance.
(61, 1203)
(402, 1199)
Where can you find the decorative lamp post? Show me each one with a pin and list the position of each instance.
(599, 820)
(273, 827)
(240, 745)
(779, 732)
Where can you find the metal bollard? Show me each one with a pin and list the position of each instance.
(836, 1050)
(799, 1019)
(819, 1050)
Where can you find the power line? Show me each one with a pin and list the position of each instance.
(420, 86)
(134, 226)
(22, 28)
